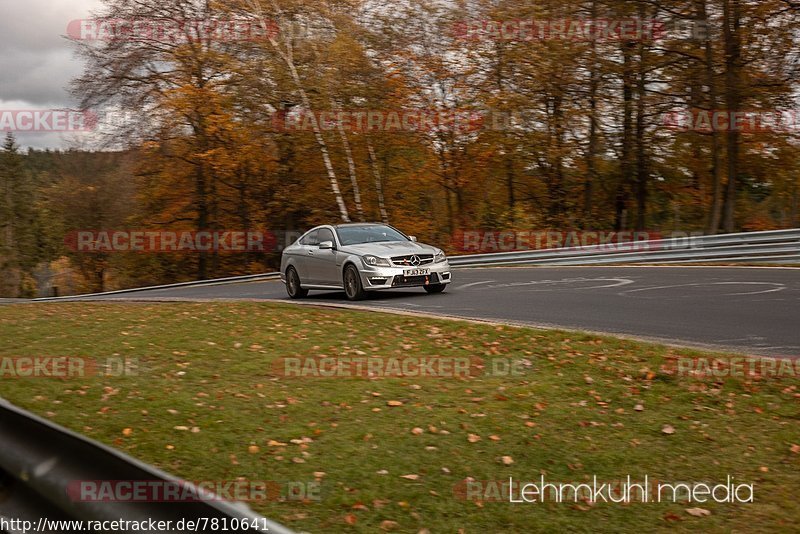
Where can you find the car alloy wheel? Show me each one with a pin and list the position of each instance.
(352, 284)
(293, 284)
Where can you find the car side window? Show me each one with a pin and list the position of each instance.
(326, 235)
(311, 238)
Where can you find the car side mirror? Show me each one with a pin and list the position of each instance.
(326, 245)
(413, 238)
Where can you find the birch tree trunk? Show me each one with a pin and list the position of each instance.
(287, 56)
(351, 165)
(376, 171)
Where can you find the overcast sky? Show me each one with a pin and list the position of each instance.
(37, 62)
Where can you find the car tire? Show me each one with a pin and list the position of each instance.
(352, 284)
(435, 288)
(293, 286)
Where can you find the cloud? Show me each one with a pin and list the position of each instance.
(37, 62)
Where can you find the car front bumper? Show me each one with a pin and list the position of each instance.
(377, 278)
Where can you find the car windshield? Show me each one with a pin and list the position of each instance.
(356, 235)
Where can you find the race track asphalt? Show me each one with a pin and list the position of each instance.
(747, 310)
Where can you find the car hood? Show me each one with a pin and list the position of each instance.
(393, 248)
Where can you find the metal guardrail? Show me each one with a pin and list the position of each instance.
(781, 246)
(42, 459)
(219, 281)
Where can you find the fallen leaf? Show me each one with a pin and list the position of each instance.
(389, 525)
(697, 512)
(127, 432)
(507, 460)
(668, 429)
(394, 404)
(253, 449)
(410, 477)
(350, 519)
(473, 438)
(417, 431)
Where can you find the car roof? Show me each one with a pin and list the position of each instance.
(352, 225)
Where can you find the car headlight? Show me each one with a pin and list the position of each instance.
(440, 257)
(374, 261)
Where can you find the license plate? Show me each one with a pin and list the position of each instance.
(416, 272)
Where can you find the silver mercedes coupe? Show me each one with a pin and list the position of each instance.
(360, 258)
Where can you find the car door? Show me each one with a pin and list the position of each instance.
(322, 262)
(306, 247)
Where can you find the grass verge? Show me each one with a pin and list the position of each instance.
(207, 404)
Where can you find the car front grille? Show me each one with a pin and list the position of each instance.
(406, 261)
